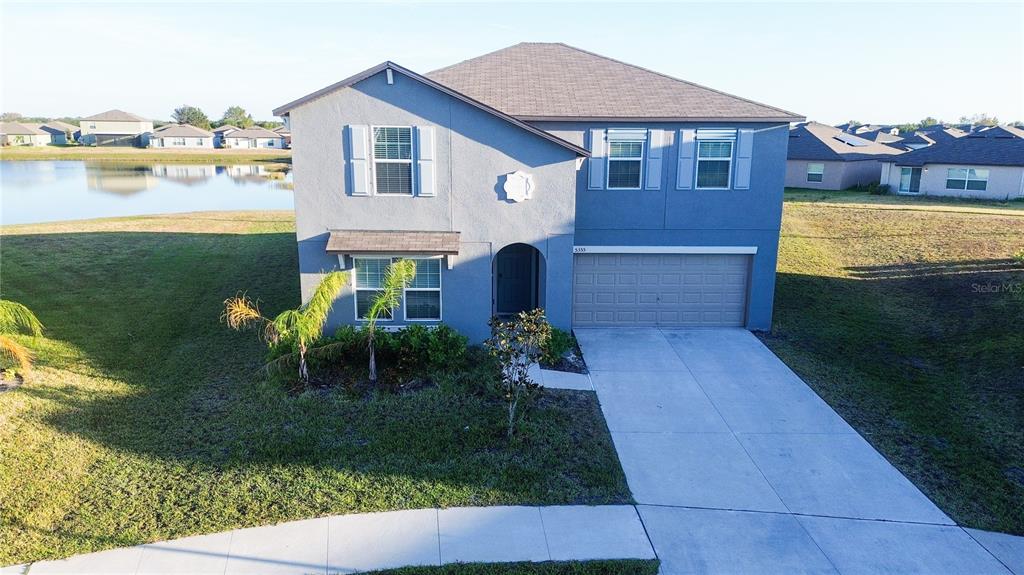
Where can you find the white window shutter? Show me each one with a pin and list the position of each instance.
(744, 156)
(654, 153)
(359, 159)
(687, 156)
(596, 161)
(425, 156)
(884, 180)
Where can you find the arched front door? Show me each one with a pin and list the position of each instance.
(517, 279)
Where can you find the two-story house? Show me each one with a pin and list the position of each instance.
(115, 128)
(541, 175)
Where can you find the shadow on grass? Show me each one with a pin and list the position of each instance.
(144, 308)
(925, 361)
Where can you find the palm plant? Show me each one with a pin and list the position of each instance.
(297, 328)
(16, 318)
(398, 277)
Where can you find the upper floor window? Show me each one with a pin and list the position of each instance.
(714, 164)
(392, 160)
(625, 158)
(966, 179)
(815, 172)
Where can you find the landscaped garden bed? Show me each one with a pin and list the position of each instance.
(146, 419)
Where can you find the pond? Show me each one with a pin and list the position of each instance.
(48, 191)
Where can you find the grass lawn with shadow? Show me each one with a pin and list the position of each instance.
(148, 419)
(905, 315)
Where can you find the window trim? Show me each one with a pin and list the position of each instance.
(821, 173)
(410, 161)
(967, 179)
(440, 296)
(357, 289)
(609, 159)
(697, 160)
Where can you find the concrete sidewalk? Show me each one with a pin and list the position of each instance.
(738, 467)
(371, 541)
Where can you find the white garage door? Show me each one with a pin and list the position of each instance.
(660, 289)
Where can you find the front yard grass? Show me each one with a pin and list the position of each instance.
(905, 315)
(147, 419)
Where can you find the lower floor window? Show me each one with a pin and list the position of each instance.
(421, 298)
(966, 179)
(815, 172)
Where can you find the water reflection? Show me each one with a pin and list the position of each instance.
(38, 191)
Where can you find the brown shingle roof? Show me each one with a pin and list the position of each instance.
(21, 129)
(393, 242)
(116, 116)
(535, 81)
(254, 132)
(182, 131)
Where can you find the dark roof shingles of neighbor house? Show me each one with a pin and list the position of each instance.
(814, 141)
(985, 148)
(20, 129)
(255, 132)
(182, 131)
(881, 136)
(115, 116)
(536, 81)
(388, 242)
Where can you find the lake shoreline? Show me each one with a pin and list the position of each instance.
(57, 153)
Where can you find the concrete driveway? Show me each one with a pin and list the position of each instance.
(739, 467)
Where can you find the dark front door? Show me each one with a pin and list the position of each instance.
(516, 271)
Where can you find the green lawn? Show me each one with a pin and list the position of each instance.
(623, 567)
(905, 314)
(148, 419)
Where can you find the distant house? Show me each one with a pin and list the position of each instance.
(181, 136)
(988, 164)
(826, 158)
(21, 134)
(254, 137)
(116, 128)
(882, 136)
(220, 132)
(61, 133)
(286, 133)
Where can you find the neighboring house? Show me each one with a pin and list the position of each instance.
(254, 137)
(61, 133)
(541, 175)
(115, 128)
(181, 136)
(826, 158)
(220, 132)
(286, 133)
(881, 136)
(22, 134)
(988, 164)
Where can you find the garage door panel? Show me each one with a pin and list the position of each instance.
(660, 289)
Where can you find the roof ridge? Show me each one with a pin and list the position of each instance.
(662, 74)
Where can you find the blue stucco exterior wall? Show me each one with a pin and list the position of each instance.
(671, 217)
(474, 150)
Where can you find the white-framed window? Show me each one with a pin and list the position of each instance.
(423, 296)
(966, 179)
(199, 141)
(905, 175)
(815, 172)
(392, 160)
(179, 141)
(369, 278)
(270, 143)
(714, 164)
(421, 300)
(625, 164)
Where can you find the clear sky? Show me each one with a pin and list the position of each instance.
(881, 63)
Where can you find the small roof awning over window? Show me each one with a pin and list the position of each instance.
(393, 242)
